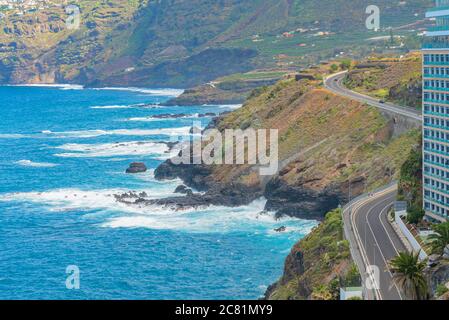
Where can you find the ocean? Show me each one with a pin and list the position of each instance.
(63, 155)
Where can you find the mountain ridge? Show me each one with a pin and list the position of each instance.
(129, 42)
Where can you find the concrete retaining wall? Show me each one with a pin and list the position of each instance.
(406, 232)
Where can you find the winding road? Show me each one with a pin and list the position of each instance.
(334, 83)
(373, 240)
(376, 241)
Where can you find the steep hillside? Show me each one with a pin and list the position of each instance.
(394, 79)
(185, 43)
(318, 265)
(37, 46)
(326, 143)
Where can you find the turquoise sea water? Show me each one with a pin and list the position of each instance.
(63, 154)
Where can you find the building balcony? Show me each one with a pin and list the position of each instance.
(438, 114)
(438, 28)
(444, 76)
(440, 190)
(436, 164)
(446, 154)
(441, 33)
(436, 45)
(435, 89)
(428, 63)
(436, 101)
(436, 176)
(436, 201)
(436, 139)
(438, 12)
(436, 127)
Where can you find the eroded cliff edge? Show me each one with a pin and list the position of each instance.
(330, 148)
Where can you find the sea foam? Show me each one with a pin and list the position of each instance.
(182, 131)
(212, 219)
(208, 219)
(57, 86)
(153, 92)
(29, 163)
(113, 149)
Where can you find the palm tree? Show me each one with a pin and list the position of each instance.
(440, 239)
(408, 274)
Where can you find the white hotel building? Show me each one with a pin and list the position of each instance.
(436, 113)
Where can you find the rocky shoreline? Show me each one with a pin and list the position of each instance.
(282, 199)
(285, 200)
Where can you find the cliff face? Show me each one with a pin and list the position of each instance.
(317, 265)
(330, 148)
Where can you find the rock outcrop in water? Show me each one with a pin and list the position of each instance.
(137, 167)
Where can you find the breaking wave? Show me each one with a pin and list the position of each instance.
(182, 131)
(153, 92)
(29, 163)
(113, 149)
(58, 86)
(211, 219)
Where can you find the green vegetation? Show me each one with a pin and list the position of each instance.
(130, 42)
(325, 140)
(440, 239)
(410, 184)
(352, 278)
(324, 258)
(392, 78)
(441, 290)
(408, 273)
(346, 64)
(255, 75)
(415, 215)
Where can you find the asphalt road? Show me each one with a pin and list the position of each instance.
(334, 84)
(377, 240)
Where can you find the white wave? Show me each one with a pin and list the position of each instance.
(113, 149)
(11, 136)
(153, 92)
(61, 200)
(29, 163)
(131, 106)
(212, 219)
(61, 86)
(111, 107)
(182, 131)
(72, 87)
(151, 119)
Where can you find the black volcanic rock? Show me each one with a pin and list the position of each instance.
(184, 190)
(137, 167)
(300, 202)
(281, 229)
